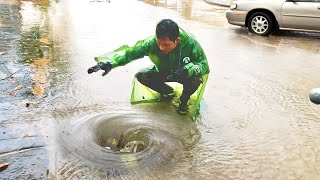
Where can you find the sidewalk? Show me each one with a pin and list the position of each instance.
(224, 3)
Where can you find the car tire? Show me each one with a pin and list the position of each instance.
(260, 23)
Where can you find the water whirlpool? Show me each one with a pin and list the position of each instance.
(116, 144)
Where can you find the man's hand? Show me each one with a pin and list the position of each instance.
(101, 65)
(93, 69)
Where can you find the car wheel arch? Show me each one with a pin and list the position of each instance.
(272, 16)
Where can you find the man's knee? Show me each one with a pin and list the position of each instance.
(193, 81)
(196, 81)
(143, 77)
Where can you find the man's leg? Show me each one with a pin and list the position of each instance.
(190, 85)
(155, 81)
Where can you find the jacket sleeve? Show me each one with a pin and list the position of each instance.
(199, 65)
(126, 54)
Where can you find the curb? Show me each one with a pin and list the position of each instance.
(213, 2)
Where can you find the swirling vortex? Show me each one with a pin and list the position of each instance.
(125, 143)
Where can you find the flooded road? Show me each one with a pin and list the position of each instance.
(58, 122)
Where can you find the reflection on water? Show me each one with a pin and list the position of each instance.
(34, 46)
(256, 121)
(24, 60)
(287, 39)
(195, 10)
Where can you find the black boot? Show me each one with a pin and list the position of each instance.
(183, 107)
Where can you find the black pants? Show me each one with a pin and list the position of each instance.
(156, 81)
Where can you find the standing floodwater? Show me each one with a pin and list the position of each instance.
(58, 122)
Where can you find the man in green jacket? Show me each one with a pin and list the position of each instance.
(176, 55)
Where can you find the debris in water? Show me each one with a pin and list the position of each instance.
(132, 147)
(32, 105)
(3, 166)
(13, 92)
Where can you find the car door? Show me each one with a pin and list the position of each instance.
(301, 14)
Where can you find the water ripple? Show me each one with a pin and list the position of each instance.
(126, 143)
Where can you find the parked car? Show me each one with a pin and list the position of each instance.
(262, 17)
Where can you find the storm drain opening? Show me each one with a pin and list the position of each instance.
(132, 141)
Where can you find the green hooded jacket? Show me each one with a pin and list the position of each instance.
(188, 54)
